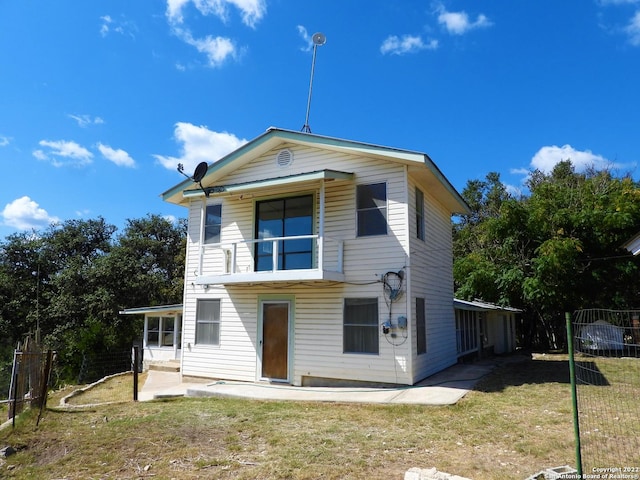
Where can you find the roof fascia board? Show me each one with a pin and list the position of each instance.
(156, 309)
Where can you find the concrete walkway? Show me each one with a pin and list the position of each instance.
(444, 388)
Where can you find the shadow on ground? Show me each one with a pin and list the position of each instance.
(536, 370)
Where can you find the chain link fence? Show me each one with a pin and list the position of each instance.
(605, 353)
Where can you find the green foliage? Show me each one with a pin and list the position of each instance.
(72, 279)
(554, 250)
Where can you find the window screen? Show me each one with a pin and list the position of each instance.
(360, 325)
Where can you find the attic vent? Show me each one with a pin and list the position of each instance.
(284, 158)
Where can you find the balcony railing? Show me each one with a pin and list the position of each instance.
(235, 262)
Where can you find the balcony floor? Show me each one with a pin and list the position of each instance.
(277, 276)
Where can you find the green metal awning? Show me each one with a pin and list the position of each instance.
(326, 175)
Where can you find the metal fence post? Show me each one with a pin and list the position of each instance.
(13, 389)
(135, 373)
(574, 394)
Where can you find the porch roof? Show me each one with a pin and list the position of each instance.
(328, 175)
(160, 309)
(480, 306)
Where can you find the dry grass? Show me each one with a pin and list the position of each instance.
(517, 422)
(116, 388)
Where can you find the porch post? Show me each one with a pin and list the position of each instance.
(321, 228)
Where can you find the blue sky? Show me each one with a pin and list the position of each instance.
(99, 101)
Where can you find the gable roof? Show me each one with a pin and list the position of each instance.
(419, 164)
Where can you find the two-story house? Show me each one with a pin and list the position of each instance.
(314, 260)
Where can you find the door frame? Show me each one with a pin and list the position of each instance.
(271, 299)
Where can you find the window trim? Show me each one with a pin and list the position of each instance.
(373, 325)
(161, 331)
(199, 321)
(383, 210)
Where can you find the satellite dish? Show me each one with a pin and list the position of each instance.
(200, 172)
(319, 39)
(198, 175)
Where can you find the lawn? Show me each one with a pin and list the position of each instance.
(517, 422)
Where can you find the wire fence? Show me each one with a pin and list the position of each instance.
(107, 377)
(104, 378)
(29, 378)
(606, 358)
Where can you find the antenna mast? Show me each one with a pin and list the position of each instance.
(318, 40)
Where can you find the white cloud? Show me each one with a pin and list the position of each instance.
(106, 22)
(119, 157)
(86, 120)
(308, 40)
(251, 11)
(458, 23)
(547, 157)
(395, 45)
(4, 141)
(633, 30)
(199, 144)
(25, 214)
(217, 49)
(174, 10)
(62, 153)
(121, 26)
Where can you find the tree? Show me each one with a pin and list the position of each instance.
(72, 280)
(556, 250)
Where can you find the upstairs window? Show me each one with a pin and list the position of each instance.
(284, 217)
(212, 223)
(371, 205)
(419, 214)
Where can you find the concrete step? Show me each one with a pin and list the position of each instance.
(166, 366)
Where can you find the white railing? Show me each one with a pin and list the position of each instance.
(239, 257)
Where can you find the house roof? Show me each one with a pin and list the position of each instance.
(160, 309)
(419, 165)
(480, 306)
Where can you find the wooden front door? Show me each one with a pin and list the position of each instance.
(275, 340)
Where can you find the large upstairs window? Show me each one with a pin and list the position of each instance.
(284, 217)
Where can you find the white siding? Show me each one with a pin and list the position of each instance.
(432, 279)
(318, 319)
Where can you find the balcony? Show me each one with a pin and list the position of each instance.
(310, 258)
